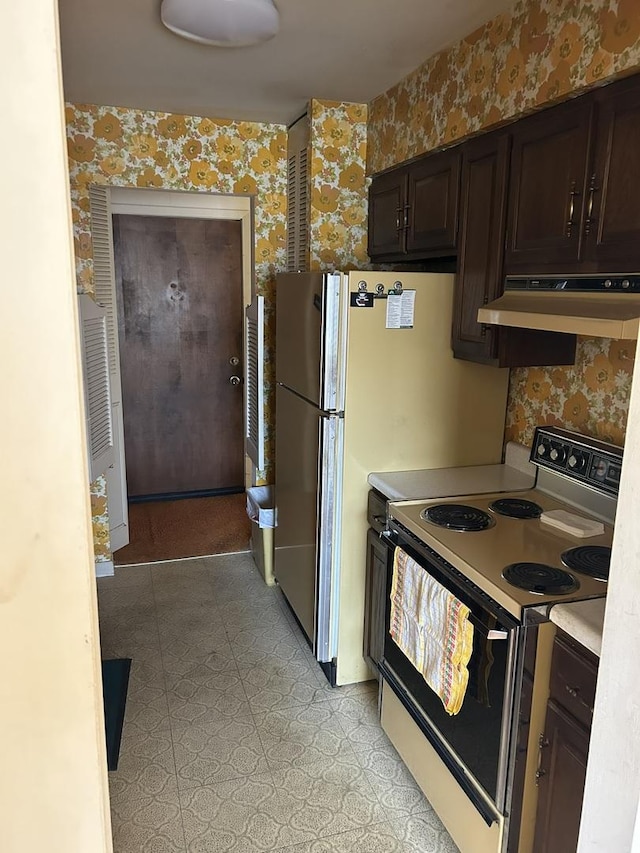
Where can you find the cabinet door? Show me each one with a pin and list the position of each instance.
(561, 786)
(387, 212)
(482, 216)
(547, 186)
(612, 215)
(375, 594)
(432, 197)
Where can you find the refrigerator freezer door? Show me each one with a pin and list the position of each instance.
(297, 454)
(309, 337)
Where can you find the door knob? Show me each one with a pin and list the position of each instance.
(235, 380)
(234, 360)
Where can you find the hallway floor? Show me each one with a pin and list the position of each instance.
(233, 740)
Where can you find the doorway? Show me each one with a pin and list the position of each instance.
(182, 264)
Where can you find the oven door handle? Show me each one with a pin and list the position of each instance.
(488, 633)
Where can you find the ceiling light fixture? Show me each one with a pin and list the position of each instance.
(226, 23)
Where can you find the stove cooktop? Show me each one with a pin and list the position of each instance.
(483, 555)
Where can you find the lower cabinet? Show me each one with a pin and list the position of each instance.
(375, 591)
(564, 747)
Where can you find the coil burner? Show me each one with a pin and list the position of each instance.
(592, 560)
(458, 517)
(516, 508)
(540, 579)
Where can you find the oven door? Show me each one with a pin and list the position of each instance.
(474, 744)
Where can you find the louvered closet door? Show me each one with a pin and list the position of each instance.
(254, 379)
(95, 369)
(298, 197)
(104, 286)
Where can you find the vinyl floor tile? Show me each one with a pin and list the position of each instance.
(379, 838)
(241, 816)
(328, 797)
(224, 749)
(300, 735)
(149, 824)
(233, 739)
(424, 834)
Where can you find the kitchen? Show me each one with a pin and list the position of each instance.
(630, 455)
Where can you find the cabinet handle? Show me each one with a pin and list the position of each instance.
(593, 189)
(539, 774)
(572, 194)
(398, 212)
(406, 216)
(572, 691)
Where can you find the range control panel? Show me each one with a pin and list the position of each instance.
(587, 460)
(622, 283)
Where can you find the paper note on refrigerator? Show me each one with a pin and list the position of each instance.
(400, 310)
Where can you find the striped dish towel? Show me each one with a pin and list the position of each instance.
(431, 627)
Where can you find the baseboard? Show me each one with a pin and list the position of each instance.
(177, 496)
(105, 569)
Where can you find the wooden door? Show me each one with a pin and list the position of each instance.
(612, 215)
(387, 209)
(479, 280)
(432, 197)
(179, 295)
(547, 187)
(562, 770)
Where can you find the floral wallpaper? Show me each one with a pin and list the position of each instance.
(338, 186)
(540, 51)
(591, 397)
(133, 148)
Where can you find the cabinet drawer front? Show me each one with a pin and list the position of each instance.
(573, 681)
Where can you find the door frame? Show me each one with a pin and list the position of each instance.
(151, 201)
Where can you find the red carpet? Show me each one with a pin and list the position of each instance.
(194, 527)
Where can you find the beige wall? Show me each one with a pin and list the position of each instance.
(53, 780)
(537, 53)
(613, 773)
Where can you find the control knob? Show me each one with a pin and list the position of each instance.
(541, 449)
(576, 461)
(558, 455)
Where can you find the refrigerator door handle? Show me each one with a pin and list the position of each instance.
(333, 342)
(329, 537)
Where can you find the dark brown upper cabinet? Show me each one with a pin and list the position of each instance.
(432, 203)
(485, 163)
(612, 208)
(387, 211)
(547, 188)
(483, 197)
(413, 210)
(573, 200)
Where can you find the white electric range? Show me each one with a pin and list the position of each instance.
(509, 556)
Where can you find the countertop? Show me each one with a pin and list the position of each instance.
(516, 474)
(582, 620)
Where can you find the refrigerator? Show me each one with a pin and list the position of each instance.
(365, 381)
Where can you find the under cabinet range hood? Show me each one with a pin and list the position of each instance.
(601, 306)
